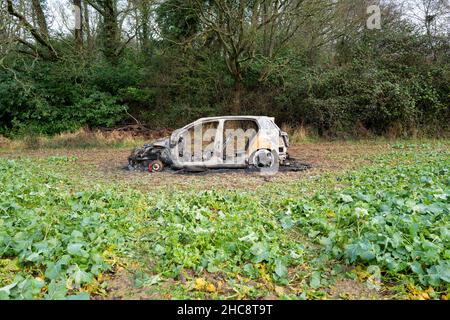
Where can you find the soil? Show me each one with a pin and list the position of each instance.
(107, 165)
(121, 286)
(351, 289)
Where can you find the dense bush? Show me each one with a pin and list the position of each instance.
(377, 83)
(51, 98)
(375, 88)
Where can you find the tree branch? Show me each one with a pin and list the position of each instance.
(34, 32)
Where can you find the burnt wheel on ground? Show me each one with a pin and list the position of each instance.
(155, 166)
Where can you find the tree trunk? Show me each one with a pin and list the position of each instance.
(87, 26)
(78, 25)
(234, 67)
(110, 35)
(145, 16)
(237, 94)
(41, 38)
(110, 32)
(40, 17)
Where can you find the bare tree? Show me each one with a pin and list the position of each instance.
(112, 21)
(40, 35)
(237, 25)
(6, 33)
(142, 24)
(110, 28)
(40, 17)
(434, 18)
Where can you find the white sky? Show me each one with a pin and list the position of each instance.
(62, 13)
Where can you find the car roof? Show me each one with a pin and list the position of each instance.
(235, 118)
(256, 118)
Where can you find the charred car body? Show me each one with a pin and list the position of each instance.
(217, 142)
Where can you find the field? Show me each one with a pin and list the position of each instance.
(370, 220)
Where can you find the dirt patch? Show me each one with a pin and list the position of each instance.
(106, 166)
(351, 289)
(121, 285)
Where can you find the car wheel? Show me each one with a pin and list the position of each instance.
(265, 160)
(155, 166)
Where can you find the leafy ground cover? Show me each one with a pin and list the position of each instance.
(381, 226)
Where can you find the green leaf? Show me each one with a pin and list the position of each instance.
(287, 222)
(443, 270)
(80, 296)
(260, 251)
(417, 268)
(314, 282)
(56, 291)
(346, 198)
(53, 271)
(6, 291)
(81, 276)
(280, 269)
(75, 249)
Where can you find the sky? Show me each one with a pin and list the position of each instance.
(63, 15)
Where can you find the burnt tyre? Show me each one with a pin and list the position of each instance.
(264, 160)
(155, 166)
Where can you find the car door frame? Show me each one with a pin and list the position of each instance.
(215, 160)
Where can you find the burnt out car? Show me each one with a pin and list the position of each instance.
(217, 142)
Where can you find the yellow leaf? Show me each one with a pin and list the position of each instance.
(200, 283)
(279, 290)
(330, 213)
(210, 288)
(425, 296)
(119, 269)
(429, 290)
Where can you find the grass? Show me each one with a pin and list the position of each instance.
(304, 236)
(81, 139)
(97, 139)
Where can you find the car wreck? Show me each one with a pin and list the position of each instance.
(217, 142)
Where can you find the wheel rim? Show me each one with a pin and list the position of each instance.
(268, 155)
(155, 166)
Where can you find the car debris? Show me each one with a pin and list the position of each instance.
(240, 142)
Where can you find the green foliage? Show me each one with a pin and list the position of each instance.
(99, 109)
(177, 83)
(374, 83)
(52, 98)
(177, 20)
(215, 232)
(382, 80)
(55, 234)
(392, 217)
(349, 82)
